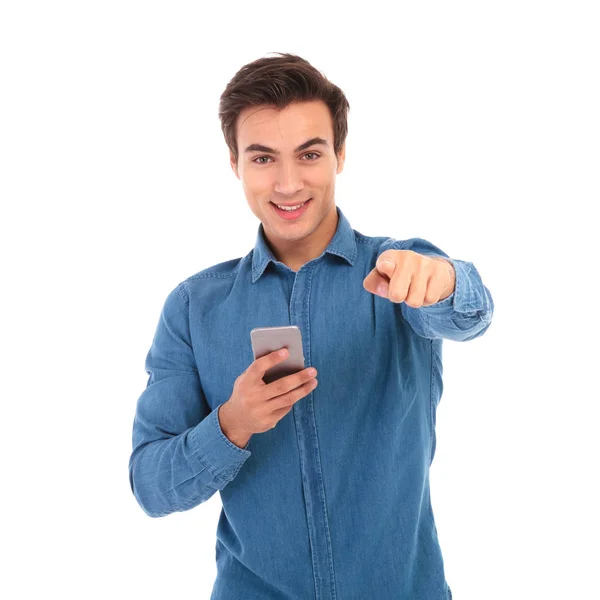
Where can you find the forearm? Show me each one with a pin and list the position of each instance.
(165, 477)
(180, 472)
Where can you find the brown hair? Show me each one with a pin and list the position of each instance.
(281, 80)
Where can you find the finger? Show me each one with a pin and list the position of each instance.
(400, 284)
(381, 275)
(417, 289)
(373, 280)
(288, 383)
(261, 365)
(435, 289)
(291, 397)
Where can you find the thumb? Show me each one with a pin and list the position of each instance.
(374, 280)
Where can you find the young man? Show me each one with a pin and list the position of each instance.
(333, 502)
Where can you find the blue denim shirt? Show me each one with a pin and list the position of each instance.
(333, 503)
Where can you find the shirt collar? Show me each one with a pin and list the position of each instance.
(343, 244)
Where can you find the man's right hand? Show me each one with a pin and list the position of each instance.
(256, 406)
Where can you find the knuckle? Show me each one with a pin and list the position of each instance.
(430, 299)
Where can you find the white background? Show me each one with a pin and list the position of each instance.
(472, 124)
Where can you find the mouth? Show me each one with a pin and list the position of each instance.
(291, 215)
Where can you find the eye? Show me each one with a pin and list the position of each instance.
(315, 154)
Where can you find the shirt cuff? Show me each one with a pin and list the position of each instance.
(215, 451)
(466, 298)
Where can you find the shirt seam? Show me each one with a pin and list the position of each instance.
(431, 401)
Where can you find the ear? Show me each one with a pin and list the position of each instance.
(233, 165)
(341, 157)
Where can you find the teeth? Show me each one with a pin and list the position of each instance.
(290, 208)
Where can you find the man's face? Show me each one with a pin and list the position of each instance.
(284, 174)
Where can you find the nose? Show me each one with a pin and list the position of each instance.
(288, 181)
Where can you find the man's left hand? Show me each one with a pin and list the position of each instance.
(411, 277)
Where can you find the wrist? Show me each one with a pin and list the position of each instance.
(229, 426)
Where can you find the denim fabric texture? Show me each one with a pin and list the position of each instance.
(334, 502)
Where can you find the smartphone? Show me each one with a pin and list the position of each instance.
(268, 339)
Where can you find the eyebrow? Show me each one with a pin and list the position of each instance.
(308, 143)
